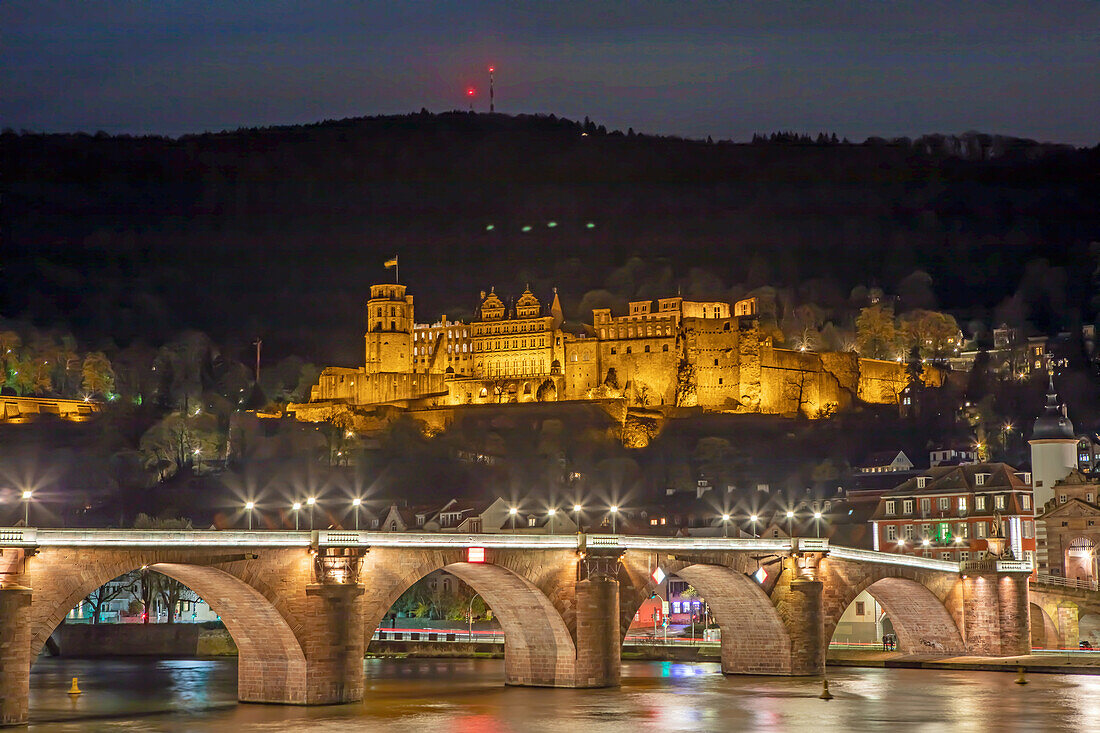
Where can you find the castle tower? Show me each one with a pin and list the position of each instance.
(389, 329)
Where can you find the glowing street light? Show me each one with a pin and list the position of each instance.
(753, 519)
(512, 512)
(790, 523)
(926, 542)
(725, 525)
(311, 502)
(356, 503)
(297, 507)
(577, 516)
(248, 507)
(550, 513)
(817, 523)
(614, 513)
(27, 494)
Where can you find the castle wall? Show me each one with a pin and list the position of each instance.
(581, 367)
(713, 347)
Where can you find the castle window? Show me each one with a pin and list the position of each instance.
(664, 348)
(715, 362)
(380, 312)
(393, 325)
(647, 348)
(378, 326)
(393, 311)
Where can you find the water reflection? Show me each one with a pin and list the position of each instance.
(468, 696)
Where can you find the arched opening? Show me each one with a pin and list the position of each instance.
(1080, 560)
(905, 609)
(1044, 632)
(538, 647)
(754, 639)
(271, 665)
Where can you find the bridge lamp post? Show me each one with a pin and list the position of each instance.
(356, 503)
(817, 523)
(27, 494)
(577, 516)
(311, 502)
(248, 507)
(512, 512)
(754, 519)
(614, 514)
(297, 507)
(550, 513)
(790, 523)
(725, 525)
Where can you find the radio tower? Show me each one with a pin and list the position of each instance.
(491, 108)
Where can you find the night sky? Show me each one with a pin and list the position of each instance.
(1026, 68)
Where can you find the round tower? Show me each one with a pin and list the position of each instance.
(389, 329)
(1053, 449)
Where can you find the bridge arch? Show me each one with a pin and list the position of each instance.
(271, 664)
(539, 647)
(921, 619)
(1044, 632)
(754, 638)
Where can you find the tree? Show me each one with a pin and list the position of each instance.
(99, 377)
(109, 592)
(935, 334)
(876, 333)
(686, 383)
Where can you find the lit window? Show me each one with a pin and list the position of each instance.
(999, 501)
(889, 507)
(891, 532)
(907, 506)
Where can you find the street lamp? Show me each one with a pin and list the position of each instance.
(27, 494)
(311, 501)
(356, 503)
(550, 513)
(790, 522)
(248, 507)
(753, 519)
(817, 523)
(614, 513)
(577, 516)
(297, 506)
(512, 511)
(725, 525)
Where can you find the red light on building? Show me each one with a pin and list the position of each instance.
(475, 554)
(470, 92)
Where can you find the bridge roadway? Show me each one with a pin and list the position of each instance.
(302, 606)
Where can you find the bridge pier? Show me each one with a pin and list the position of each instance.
(333, 644)
(599, 663)
(15, 654)
(804, 616)
(996, 613)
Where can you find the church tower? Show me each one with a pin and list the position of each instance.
(389, 329)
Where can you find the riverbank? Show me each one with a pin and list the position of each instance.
(1053, 662)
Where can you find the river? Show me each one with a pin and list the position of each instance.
(468, 696)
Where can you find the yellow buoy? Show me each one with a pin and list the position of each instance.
(74, 690)
(825, 694)
(1020, 679)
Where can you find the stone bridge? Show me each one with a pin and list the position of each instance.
(301, 606)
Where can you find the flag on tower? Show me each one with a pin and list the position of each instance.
(390, 263)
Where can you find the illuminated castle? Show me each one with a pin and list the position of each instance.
(672, 352)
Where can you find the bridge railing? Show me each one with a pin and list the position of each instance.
(890, 558)
(1058, 580)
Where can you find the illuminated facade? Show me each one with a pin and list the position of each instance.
(669, 352)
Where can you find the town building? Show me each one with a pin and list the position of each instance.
(1071, 521)
(886, 462)
(1054, 448)
(948, 512)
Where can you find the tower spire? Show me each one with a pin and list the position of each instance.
(491, 108)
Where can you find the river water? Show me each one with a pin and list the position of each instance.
(468, 696)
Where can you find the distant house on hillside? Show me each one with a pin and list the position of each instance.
(886, 462)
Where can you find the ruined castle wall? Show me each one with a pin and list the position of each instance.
(639, 373)
(581, 367)
(713, 348)
(880, 381)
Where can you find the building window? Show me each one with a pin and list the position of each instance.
(891, 532)
(999, 501)
(979, 530)
(945, 556)
(1028, 530)
(961, 530)
(907, 506)
(909, 531)
(925, 506)
(860, 610)
(1061, 498)
(628, 349)
(962, 505)
(612, 350)
(889, 507)
(1025, 501)
(945, 504)
(979, 503)
(922, 481)
(1088, 497)
(964, 556)
(664, 348)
